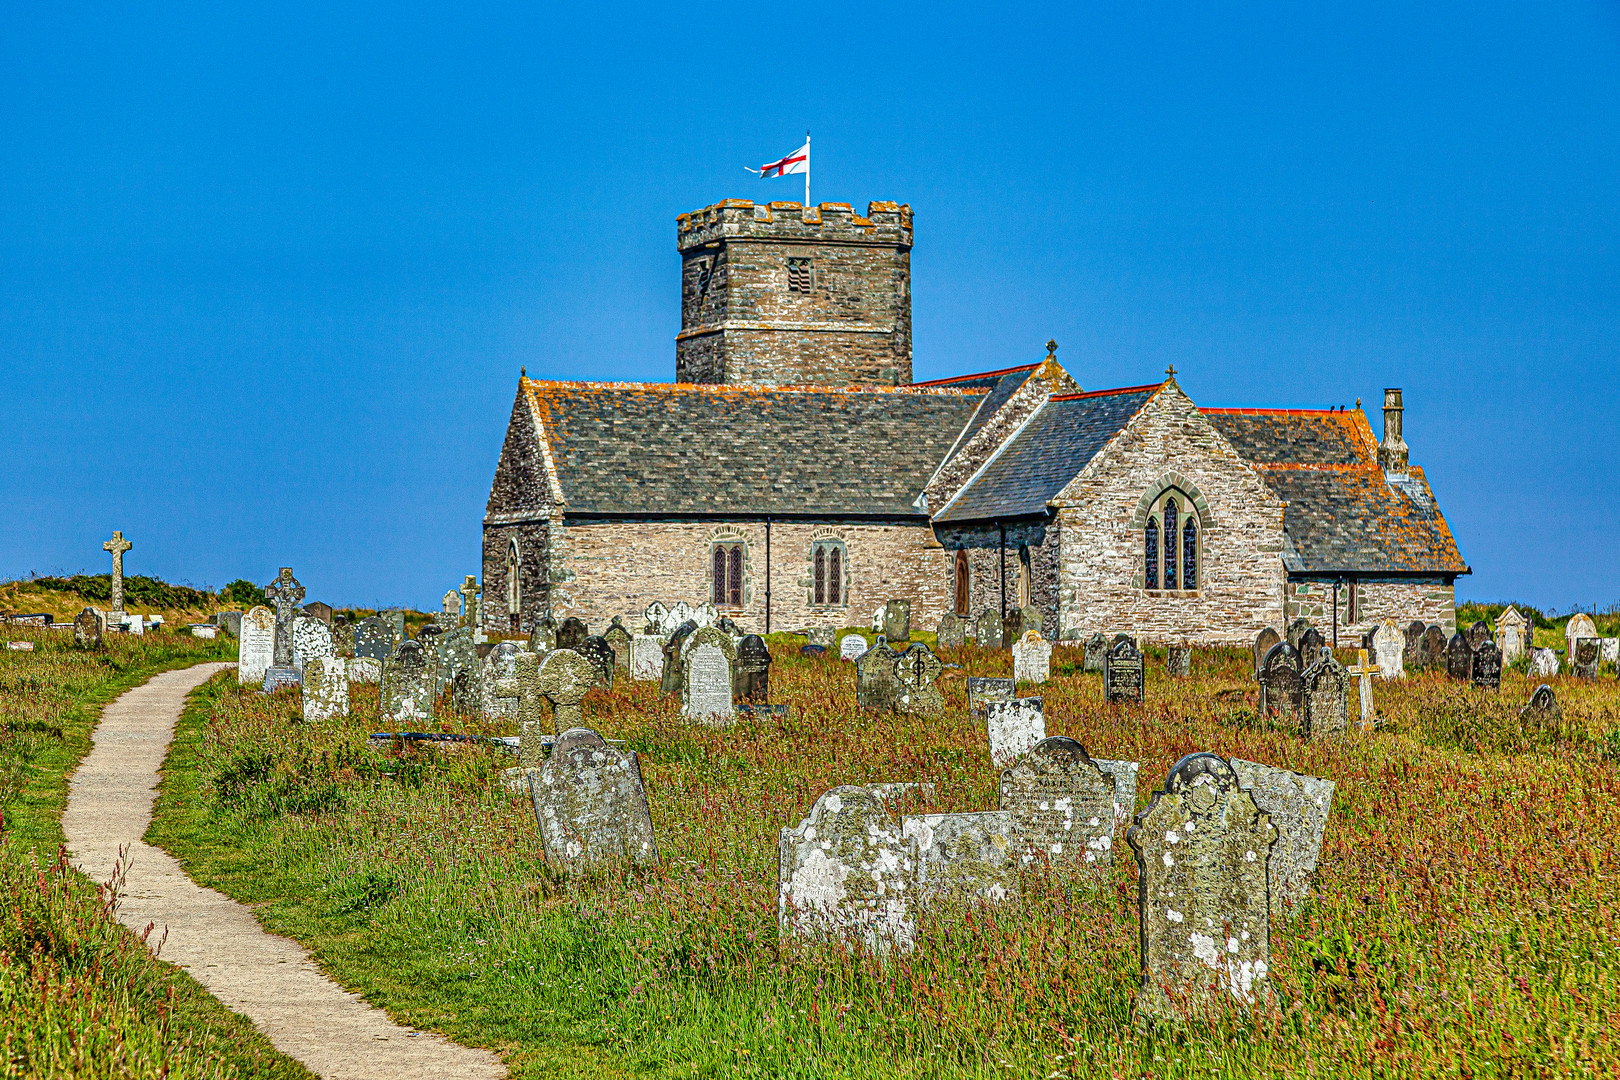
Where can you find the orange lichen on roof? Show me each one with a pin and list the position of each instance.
(1350, 423)
(980, 375)
(1106, 393)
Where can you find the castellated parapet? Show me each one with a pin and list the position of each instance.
(775, 294)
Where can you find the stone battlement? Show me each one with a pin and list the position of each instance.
(885, 223)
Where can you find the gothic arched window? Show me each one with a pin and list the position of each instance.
(726, 556)
(734, 578)
(1170, 541)
(1189, 553)
(1170, 538)
(1151, 554)
(514, 587)
(963, 583)
(827, 573)
(835, 575)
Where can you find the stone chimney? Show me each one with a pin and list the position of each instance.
(1392, 452)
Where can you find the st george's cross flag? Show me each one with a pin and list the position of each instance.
(794, 163)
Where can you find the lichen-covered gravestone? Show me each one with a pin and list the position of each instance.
(1512, 633)
(543, 638)
(1325, 689)
(1096, 652)
(1298, 806)
(654, 616)
(846, 872)
(962, 860)
(600, 654)
(255, 648)
(365, 669)
(1062, 806)
(1311, 643)
(1542, 716)
(852, 647)
(1013, 727)
(1488, 666)
(1459, 658)
(1543, 663)
(988, 630)
(1032, 658)
(618, 639)
(449, 610)
(950, 634)
(877, 687)
(1580, 625)
(646, 657)
(751, 674)
(565, 678)
(1124, 774)
(982, 691)
(456, 668)
(286, 594)
(1389, 649)
(1588, 654)
(373, 638)
(1012, 626)
(1122, 672)
(406, 695)
(1264, 641)
(326, 688)
(706, 682)
(572, 633)
(897, 620)
(915, 670)
(522, 689)
(87, 629)
(1478, 634)
(591, 804)
(1434, 646)
(673, 673)
(1202, 848)
(498, 665)
(1178, 661)
(312, 640)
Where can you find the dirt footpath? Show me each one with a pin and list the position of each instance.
(269, 979)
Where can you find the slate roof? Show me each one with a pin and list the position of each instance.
(1045, 454)
(999, 387)
(680, 448)
(1343, 514)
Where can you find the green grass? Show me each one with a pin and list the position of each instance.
(1465, 923)
(79, 994)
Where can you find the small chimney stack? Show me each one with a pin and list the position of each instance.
(1392, 452)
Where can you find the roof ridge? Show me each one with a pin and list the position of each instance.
(1244, 411)
(981, 375)
(1106, 393)
(532, 384)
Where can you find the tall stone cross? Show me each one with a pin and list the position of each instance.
(1364, 671)
(285, 593)
(117, 545)
(524, 687)
(469, 602)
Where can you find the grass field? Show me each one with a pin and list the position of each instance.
(80, 996)
(1465, 924)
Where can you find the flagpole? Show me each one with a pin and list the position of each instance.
(807, 170)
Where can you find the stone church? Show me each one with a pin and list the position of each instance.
(794, 475)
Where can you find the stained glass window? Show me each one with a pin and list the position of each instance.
(1189, 554)
(734, 586)
(719, 575)
(835, 577)
(1170, 536)
(1152, 553)
(820, 561)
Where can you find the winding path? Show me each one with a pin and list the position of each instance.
(269, 979)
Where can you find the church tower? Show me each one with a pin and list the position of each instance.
(778, 294)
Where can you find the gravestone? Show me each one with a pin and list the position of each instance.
(500, 664)
(342, 637)
(705, 615)
(1415, 651)
(365, 669)
(654, 616)
(591, 804)
(319, 609)
(988, 630)
(1609, 649)
(229, 621)
(1588, 655)
(916, 669)
(1013, 727)
(1459, 658)
(618, 639)
(565, 677)
(897, 620)
(1264, 641)
(1124, 774)
(1032, 658)
(1543, 663)
(572, 633)
(1295, 630)
(1096, 652)
(87, 629)
(255, 646)
(1032, 620)
(449, 609)
(877, 619)
(543, 638)
(1061, 805)
(285, 593)
(405, 698)
(1363, 670)
(1202, 847)
(1580, 625)
(1488, 666)
(812, 651)
(680, 613)
(281, 678)
(950, 634)
(1542, 715)
(672, 675)
(846, 872)
(116, 547)
(851, 647)
(1389, 649)
(981, 692)
(646, 657)
(1122, 672)
(312, 639)
(1434, 646)
(1311, 643)
(820, 635)
(522, 690)
(1178, 662)
(373, 638)
(1512, 632)
(962, 860)
(456, 668)
(326, 687)
(1478, 634)
(877, 687)
(395, 618)
(1326, 694)
(706, 684)
(1298, 806)
(470, 589)
(751, 675)
(1012, 626)
(599, 653)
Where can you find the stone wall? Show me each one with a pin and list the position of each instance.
(534, 556)
(742, 323)
(520, 508)
(985, 549)
(1398, 601)
(1241, 587)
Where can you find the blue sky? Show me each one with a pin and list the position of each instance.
(267, 278)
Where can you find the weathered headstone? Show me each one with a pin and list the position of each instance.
(1389, 649)
(395, 618)
(1478, 634)
(1542, 715)
(1416, 651)
(543, 638)
(449, 609)
(1588, 655)
(599, 653)
(672, 675)
(1264, 641)
(87, 629)
(499, 665)
(852, 647)
(1295, 631)
(1543, 663)
(1609, 650)
(565, 678)
(962, 860)
(365, 669)
(373, 638)
(654, 616)
(522, 690)
(1124, 774)
(618, 639)
(1014, 727)
(989, 630)
(285, 593)
(646, 657)
(950, 634)
(405, 698)
(1032, 620)
(1580, 625)
(1032, 658)
(846, 872)
(706, 685)
(1178, 661)
(877, 687)
(1488, 666)
(326, 687)
(1459, 658)
(1512, 633)
(1298, 806)
(897, 620)
(751, 674)
(456, 668)
(320, 609)
(1202, 847)
(704, 615)
(312, 639)
(342, 637)
(1434, 646)
(591, 804)
(1311, 643)
(1062, 805)
(1012, 626)
(916, 669)
(1123, 676)
(572, 633)
(1326, 694)
(255, 646)
(229, 621)
(981, 692)
(877, 619)
(281, 678)
(1096, 652)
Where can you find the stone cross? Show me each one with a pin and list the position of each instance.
(117, 545)
(469, 601)
(286, 594)
(524, 686)
(1364, 671)
(565, 678)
